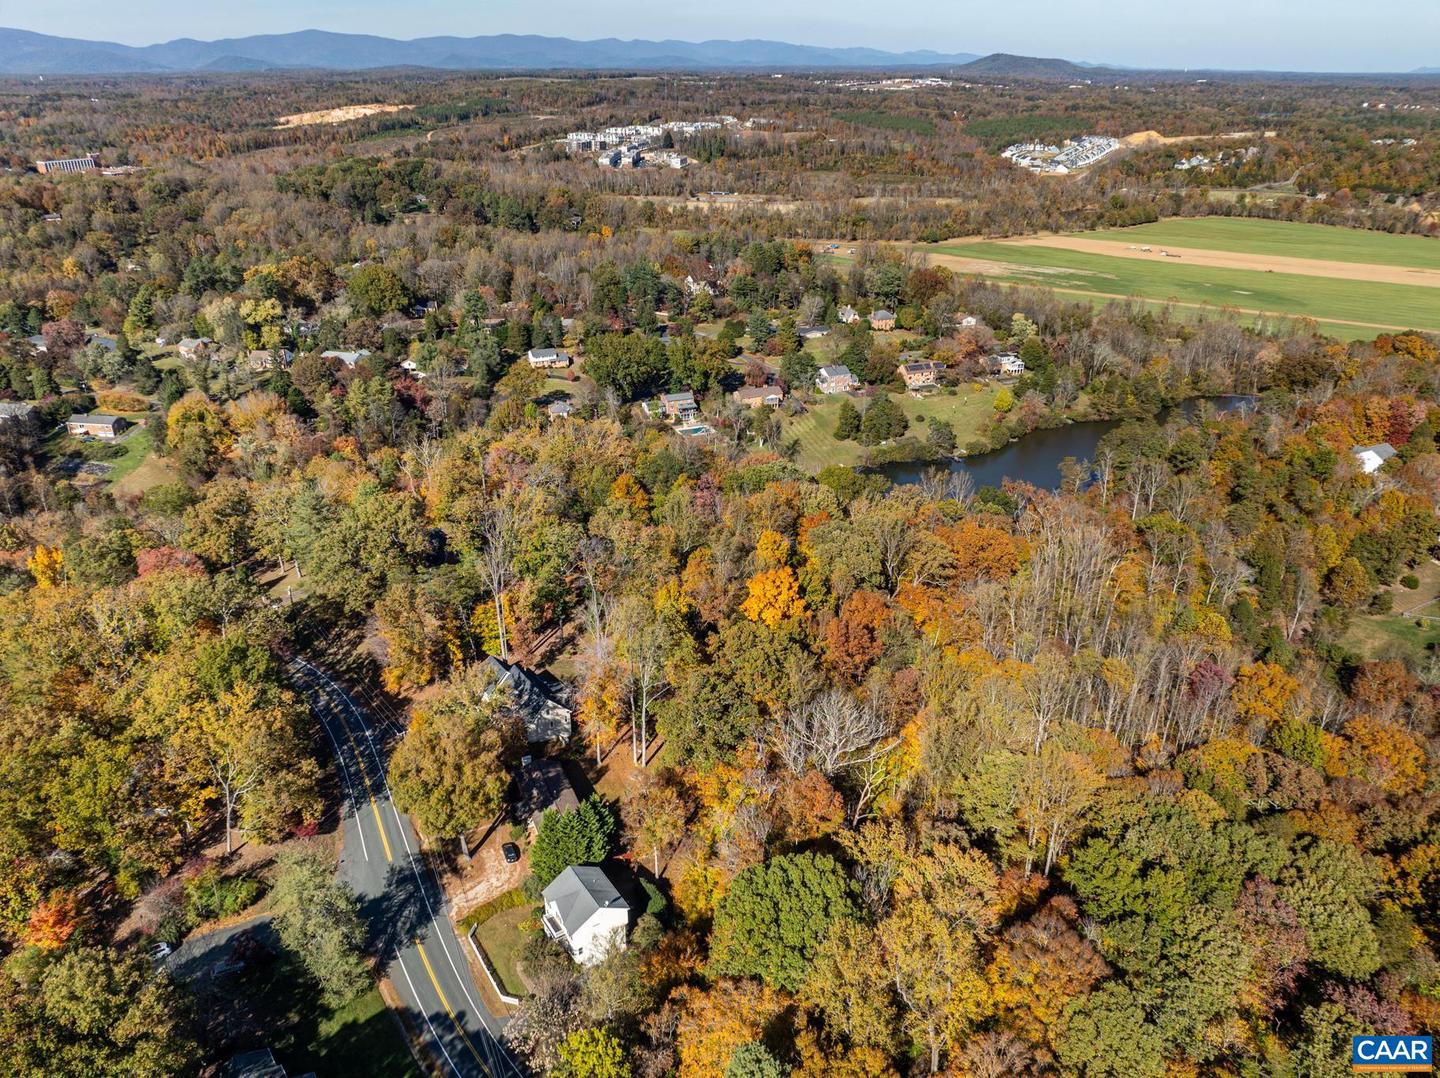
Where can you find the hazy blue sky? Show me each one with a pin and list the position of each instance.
(1330, 35)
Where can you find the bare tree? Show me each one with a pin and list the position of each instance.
(496, 529)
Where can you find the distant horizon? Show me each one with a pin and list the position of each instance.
(1237, 35)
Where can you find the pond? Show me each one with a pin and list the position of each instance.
(1036, 458)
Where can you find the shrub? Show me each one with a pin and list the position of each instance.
(1410, 580)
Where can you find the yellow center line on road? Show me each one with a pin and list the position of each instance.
(446, 1004)
(365, 777)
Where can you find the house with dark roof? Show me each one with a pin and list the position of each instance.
(882, 319)
(544, 716)
(541, 785)
(96, 426)
(584, 911)
(921, 374)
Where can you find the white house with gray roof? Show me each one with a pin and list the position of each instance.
(585, 912)
(1373, 457)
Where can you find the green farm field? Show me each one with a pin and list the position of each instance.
(1367, 305)
(1286, 239)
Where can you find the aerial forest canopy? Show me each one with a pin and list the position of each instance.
(1132, 773)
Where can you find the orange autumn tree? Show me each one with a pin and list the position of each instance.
(52, 923)
(853, 637)
(774, 597)
(716, 1021)
(981, 551)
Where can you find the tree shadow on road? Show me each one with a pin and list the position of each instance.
(396, 916)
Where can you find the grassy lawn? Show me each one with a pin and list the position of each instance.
(1284, 238)
(965, 408)
(138, 445)
(1393, 305)
(500, 938)
(1383, 636)
(149, 471)
(361, 1037)
(1400, 634)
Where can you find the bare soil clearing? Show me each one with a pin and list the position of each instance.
(1305, 267)
(1154, 138)
(340, 115)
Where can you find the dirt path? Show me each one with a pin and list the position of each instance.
(1199, 256)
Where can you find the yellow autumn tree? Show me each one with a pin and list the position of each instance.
(774, 596)
(772, 548)
(1382, 753)
(46, 565)
(1263, 691)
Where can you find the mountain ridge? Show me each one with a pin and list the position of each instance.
(24, 52)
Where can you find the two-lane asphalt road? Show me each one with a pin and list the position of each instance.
(400, 899)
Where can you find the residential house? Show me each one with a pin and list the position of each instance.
(680, 406)
(560, 410)
(546, 358)
(545, 717)
(541, 785)
(755, 396)
(190, 347)
(812, 333)
(1373, 457)
(268, 359)
(836, 379)
(37, 342)
(1007, 364)
(920, 375)
(882, 319)
(109, 344)
(848, 314)
(585, 912)
(347, 358)
(96, 426)
(19, 412)
(695, 285)
(968, 321)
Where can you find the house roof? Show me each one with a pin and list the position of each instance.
(881, 314)
(542, 785)
(544, 716)
(561, 408)
(685, 396)
(16, 410)
(1383, 450)
(839, 370)
(545, 353)
(579, 893)
(92, 419)
(751, 393)
(922, 366)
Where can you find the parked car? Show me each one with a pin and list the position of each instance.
(511, 852)
(160, 952)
